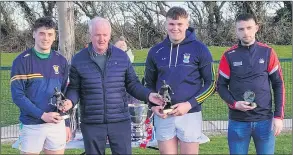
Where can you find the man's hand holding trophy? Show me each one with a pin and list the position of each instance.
(248, 103)
(165, 93)
(166, 109)
(62, 104)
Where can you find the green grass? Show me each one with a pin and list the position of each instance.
(7, 58)
(140, 55)
(217, 145)
(213, 108)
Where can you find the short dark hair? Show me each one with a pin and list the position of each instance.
(44, 22)
(246, 17)
(176, 13)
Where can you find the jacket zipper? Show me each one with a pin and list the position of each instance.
(104, 93)
(103, 87)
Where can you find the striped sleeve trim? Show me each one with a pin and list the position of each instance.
(273, 62)
(25, 77)
(274, 70)
(224, 68)
(224, 75)
(200, 98)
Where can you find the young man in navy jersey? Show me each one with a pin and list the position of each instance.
(246, 70)
(34, 75)
(186, 65)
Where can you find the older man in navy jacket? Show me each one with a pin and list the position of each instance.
(100, 76)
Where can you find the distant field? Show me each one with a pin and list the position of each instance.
(213, 108)
(140, 55)
(282, 52)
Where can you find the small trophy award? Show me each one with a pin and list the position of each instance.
(249, 96)
(60, 102)
(164, 92)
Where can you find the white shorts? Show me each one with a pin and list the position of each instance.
(187, 128)
(49, 136)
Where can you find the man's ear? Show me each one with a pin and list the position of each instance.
(55, 35)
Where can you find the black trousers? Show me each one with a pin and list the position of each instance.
(95, 137)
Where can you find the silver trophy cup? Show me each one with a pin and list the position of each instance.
(138, 114)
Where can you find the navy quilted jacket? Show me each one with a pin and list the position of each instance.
(103, 96)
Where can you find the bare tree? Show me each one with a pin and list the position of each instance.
(10, 37)
(207, 17)
(29, 11)
(152, 31)
(284, 12)
(127, 16)
(7, 25)
(48, 7)
(92, 8)
(66, 29)
(196, 17)
(214, 20)
(142, 23)
(29, 14)
(256, 8)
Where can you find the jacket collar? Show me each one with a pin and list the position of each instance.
(93, 53)
(250, 47)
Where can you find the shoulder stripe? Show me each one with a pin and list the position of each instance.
(24, 77)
